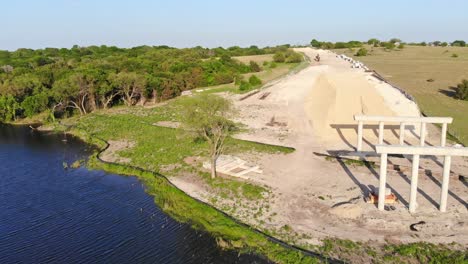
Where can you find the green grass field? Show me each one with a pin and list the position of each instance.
(412, 67)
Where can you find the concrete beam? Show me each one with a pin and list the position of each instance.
(421, 150)
(406, 119)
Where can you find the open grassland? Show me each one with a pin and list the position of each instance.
(429, 74)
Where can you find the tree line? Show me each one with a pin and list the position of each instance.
(390, 44)
(83, 79)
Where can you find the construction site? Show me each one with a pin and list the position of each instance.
(354, 134)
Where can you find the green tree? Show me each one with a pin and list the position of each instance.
(244, 86)
(461, 91)
(459, 43)
(8, 107)
(130, 84)
(315, 43)
(207, 116)
(373, 41)
(293, 57)
(279, 57)
(361, 52)
(254, 80)
(72, 91)
(254, 67)
(35, 104)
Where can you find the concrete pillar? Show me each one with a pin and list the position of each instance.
(422, 134)
(381, 132)
(414, 184)
(383, 180)
(359, 135)
(402, 133)
(445, 184)
(443, 135)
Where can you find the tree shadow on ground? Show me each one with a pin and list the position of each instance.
(450, 92)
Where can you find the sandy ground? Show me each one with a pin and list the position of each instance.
(313, 112)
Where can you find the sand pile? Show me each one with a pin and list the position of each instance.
(335, 99)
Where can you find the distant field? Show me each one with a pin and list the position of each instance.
(257, 58)
(412, 67)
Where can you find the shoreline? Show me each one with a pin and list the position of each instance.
(294, 251)
(172, 207)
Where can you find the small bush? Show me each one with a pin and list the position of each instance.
(265, 63)
(461, 92)
(254, 67)
(238, 79)
(273, 65)
(279, 57)
(454, 55)
(361, 52)
(293, 57)
(401, 46)
(245, 86)
(388, 45)
(254, 80)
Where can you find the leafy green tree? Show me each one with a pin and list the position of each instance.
(315, 43)
(254, 67)
(373, 41)
(461, 92)
(388, 45)
(8, 107)
(72, 92)
(293, 57)
(394, 40)
(244, 86)
(254, 80)
(35, 104)
(130, 84)
(207, 117)
(459, 43)
(279, 57)
(361, 52)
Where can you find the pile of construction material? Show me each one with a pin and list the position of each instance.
(354, 64)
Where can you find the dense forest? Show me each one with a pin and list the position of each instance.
(83, 79)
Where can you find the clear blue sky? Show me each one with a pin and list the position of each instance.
(63, 23)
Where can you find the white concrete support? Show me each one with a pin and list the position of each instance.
(443, 135)
(359, 137)
(414, 184)
(445, 184)
(422, 134)
(416, 151)
(383, 180)
(402, 120)
(381, 132)
(402, 133)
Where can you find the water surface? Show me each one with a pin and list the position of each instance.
(49, 214)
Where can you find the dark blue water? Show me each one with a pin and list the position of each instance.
(49, 214)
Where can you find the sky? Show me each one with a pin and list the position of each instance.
(210, 23)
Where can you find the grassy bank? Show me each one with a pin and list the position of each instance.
(154, 149)
(429, 74)
(185, 209)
